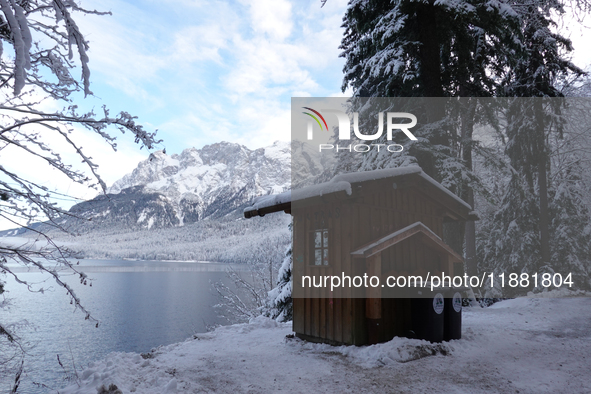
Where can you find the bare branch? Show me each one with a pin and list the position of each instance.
(45, 40)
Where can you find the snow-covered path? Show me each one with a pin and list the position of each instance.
(526, 345)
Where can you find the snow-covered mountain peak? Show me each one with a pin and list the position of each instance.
(213, 180)
(218, 180)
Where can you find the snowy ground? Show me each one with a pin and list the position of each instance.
(526, 345)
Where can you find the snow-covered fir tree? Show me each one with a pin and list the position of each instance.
(472, 48)
(570, 226)
(538, 73)
(433, 48)
(429, 49)
(530, 232)
(280, 304)
(406, 48)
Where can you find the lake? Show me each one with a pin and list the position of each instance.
(140, 305)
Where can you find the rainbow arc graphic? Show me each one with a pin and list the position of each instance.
(315, 118)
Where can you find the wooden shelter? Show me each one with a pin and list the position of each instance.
(383, 222)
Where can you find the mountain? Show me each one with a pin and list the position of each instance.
(212, 181)
(308, 166)
(167, 191)
(218, 180)
(161, 210)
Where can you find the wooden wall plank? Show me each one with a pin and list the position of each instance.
(338, 322)
(349, 221)
(337, 251)
(373, 309)
(315, 315)
(308, 316)
(300, 261)
(299, 316)
(322, 317)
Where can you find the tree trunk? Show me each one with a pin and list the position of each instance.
(470, 240)
(467, 115)
(429, 50)
(542, 179)
(430, 72)
(544, 225)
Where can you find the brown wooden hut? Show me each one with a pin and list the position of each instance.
(383, 222)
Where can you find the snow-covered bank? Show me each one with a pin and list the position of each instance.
(526, 345)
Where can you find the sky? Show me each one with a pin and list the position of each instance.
(205, 71)
(199, 72)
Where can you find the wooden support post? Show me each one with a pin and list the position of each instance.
(374, 294)
(373, 300)
(450, 266)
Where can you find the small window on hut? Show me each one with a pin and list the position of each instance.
(319, 249)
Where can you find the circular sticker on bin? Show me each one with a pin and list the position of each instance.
(438, 303)
(457, 302)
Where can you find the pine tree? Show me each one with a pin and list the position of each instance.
(571, 232)
(280, 301)
(509, 243)
(407, 48)
(538, 73)
(474, 48)
(569, 206)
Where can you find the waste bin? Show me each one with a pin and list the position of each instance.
(428, 315)
(452, 324)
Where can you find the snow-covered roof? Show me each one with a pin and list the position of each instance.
(269, 201)
(339, 183)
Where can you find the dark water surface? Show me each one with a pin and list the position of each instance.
(140, 305)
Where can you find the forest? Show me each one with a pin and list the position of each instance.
(510, 134)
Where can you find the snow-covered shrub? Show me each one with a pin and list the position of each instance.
(248, 297)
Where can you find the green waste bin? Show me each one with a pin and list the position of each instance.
(428, 315)
(452, 325)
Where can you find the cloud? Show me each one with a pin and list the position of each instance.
(211, 70)
(197, 68)
(272, 18)
(285, 53)
(266, 68)
(197, 44)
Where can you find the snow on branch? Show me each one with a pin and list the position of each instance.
(75, 37)
(21, 37)
(40, 36)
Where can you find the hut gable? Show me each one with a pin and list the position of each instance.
(416, 229)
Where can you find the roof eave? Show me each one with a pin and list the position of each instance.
(285, 207)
